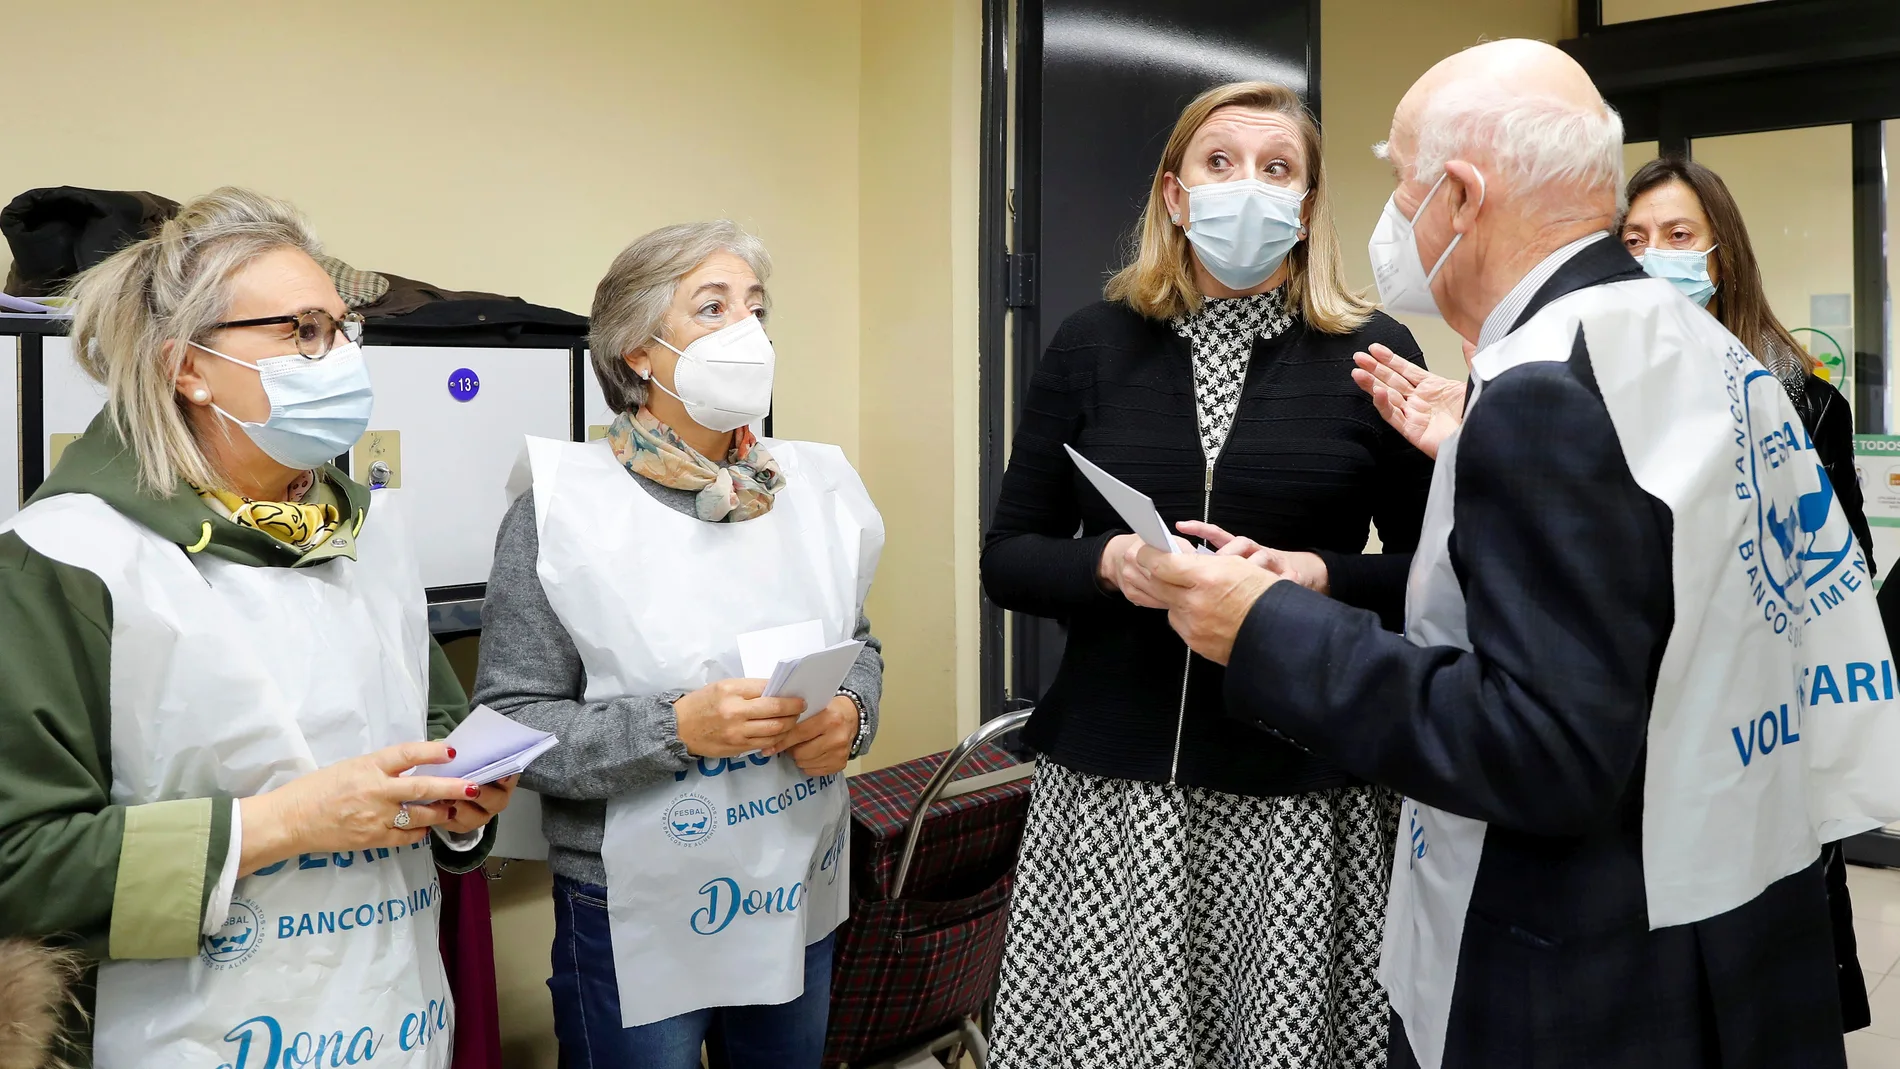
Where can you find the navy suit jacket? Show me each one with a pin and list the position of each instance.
(1564, 563)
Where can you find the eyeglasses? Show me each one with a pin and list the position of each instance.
(317, 330)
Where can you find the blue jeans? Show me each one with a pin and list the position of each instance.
(587, 1006)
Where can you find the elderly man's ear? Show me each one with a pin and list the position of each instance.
(1466, 195)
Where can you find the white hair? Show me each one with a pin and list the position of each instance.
(1532, 142)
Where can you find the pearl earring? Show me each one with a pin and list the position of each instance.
(200, 396)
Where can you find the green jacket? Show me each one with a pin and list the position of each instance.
(120, 881)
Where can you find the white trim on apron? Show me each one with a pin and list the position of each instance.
(716, 882)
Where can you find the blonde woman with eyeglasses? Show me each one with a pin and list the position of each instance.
(218, 673)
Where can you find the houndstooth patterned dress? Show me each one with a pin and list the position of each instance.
(1159, 927)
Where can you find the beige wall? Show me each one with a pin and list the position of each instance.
(1627, 10)
(484, 144)
(1371, 51)
(1637, 153)
(917, 226)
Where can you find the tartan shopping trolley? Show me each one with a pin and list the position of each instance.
(918, 960)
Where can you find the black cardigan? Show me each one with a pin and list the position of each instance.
(1307, 466)
(1830, 423)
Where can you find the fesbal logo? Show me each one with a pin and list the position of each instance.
(1794, 550)
(237, 939)
(690, 820)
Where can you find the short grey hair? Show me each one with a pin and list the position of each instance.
(1536, 142)
(171, 287)
(631, 302)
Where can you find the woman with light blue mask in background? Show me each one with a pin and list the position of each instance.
(1684, 226)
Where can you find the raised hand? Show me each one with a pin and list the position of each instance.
(1423, 407)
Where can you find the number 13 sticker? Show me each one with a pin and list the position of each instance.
(464, 384)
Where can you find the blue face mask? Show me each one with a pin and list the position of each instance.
(1242, 230)
(1685, 269)
(318, 408)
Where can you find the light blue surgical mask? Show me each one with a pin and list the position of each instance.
(1243, 230)
(318, 408)
(1685, 269)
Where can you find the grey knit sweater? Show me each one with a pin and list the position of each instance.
(531, 671)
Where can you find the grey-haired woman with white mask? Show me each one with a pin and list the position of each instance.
(643, 587)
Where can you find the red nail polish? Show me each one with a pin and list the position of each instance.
(451, 753)
(474, 791)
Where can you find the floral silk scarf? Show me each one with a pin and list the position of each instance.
(739, 490)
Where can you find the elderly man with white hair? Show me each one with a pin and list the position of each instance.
(1642, 678)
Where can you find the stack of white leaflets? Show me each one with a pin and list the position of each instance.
(814, 677)
(801, 665)
(488, 747)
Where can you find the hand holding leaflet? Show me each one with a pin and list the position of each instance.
(814, 677)
(489, 747)
(795, 663)
(1136, 509)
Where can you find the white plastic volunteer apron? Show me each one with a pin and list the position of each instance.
(717, 880)
(235, 680)
(1774, 726)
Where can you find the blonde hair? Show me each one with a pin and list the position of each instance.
(631, 300)
(171, 288)
(1158, 280)
(37, 1003)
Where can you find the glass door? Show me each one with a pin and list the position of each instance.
(1796, 192)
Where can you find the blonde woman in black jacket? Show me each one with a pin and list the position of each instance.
(1189, 883)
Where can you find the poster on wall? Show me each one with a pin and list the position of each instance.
(1829, 337)
(1877, 465)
